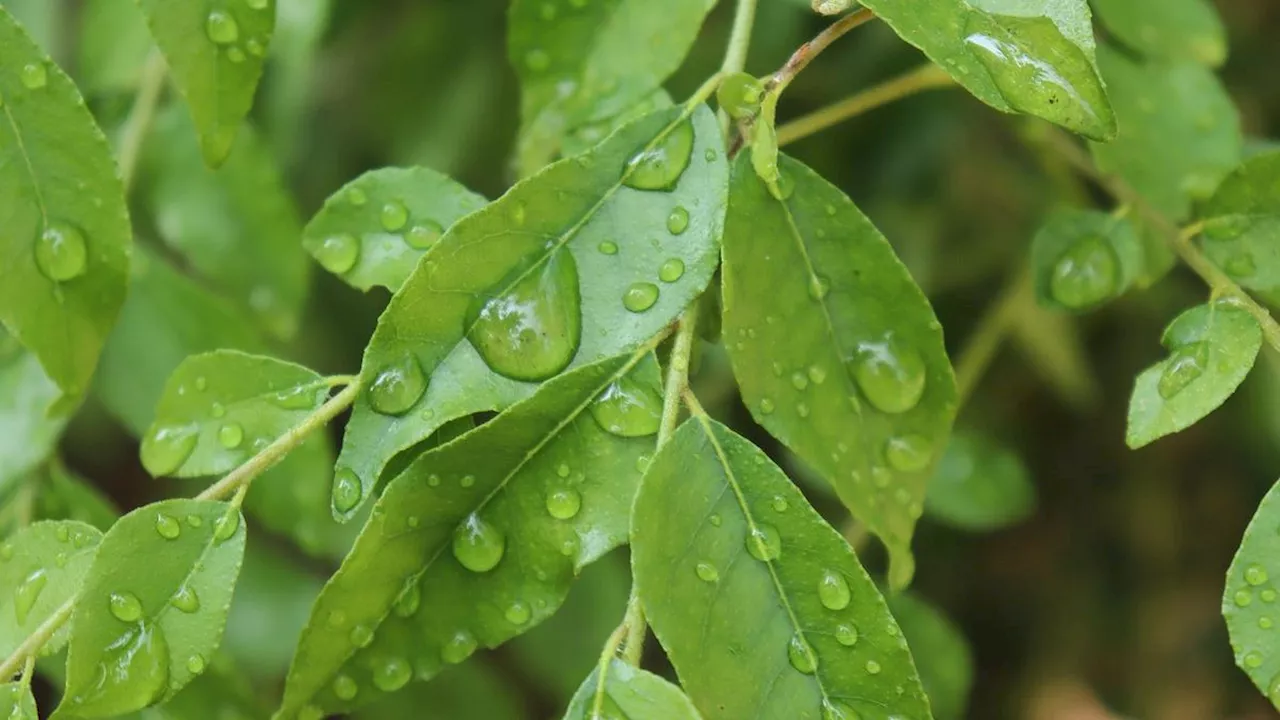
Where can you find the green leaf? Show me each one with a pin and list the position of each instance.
(1081, 259)
(65, 495)
(582, 138)
(221, 692)
(66, 235)
(470, 690)
(292, 498)
(28, 433)
(273, 597)
(237, 226)
(578, 62)
(1212, 348)
(113, 47)
(1167, 29)
(980, 486)
(479, 540)
(153, 606)
(1248, 600)
(1032, 57)
(629, 692)
(215, 55)
(836, 350)
(1242, 223)
(762, 607)
(220, 408)
(1160, 106)
(583, 251)
(41, 567)
(941, 653)
(374, 230)
(17, 702)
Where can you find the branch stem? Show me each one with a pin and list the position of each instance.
(805, 54)
(992, 329)
(913, 81)
(140, 116)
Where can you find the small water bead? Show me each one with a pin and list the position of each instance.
(257, 4)
(221, 28)
(891, 375)
(62, 533)
(819, 287)
(235, 55)
(338, 253)
(817, 374)
(801, 655)
(226, 526)
(398, 387)
(873, 667)
(715, 520)
(459, 647)
(671, 270)
(195, 664)
(394, 215)
(1087, 273)
(361, 636)
(186, 599)
(537, 60)
(763, 543)
(195, 521)
(710, 154)
(1243, 598)
(423, 235)
(166, 448)
(570, 546)
(125, 606)
(1241, 265)
(627, 408)
(347, 490)
(357, 197)
(34, 76)
(1183, 367)
(477, 545)
(846, 635)
(908, 453)
(409, 600)
(467, 481)
(1253, 659)
(784, 187)
(231, 435)
(779, 504)
(345, 688)
(640, 297)
(766, 407)
(563, 504)
(27, 592)
(706, 572)
(802, 410)
(518, 613)
(433, 480)
(833, 591)
(336, 619)
(1268, 595)
(678, 220)
(799, 380)
(659, 166)
(1255, 574)
(562, 470)
(61, 252)
(607, 247)
(392, 674)
(1265, 623)
(168, 526)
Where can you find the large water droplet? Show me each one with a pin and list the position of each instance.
(891, 375)
(908, 453)
(165, 448)
(628, 409)
(518, 613)
(763, 543)
(1255, 574)
(563, 503)
(26, 594)
(678, 220)
(231, 435)
(801, 655)
(477, 545)
(607, 247)
(338, 253)
(168, 526)
(226, 526)
(531, 330)
(34, 76)
(1085, 274)
(398, 387)
(195, 664)
(125, 606)
(833, 591)
(186, 599)
(392, 674)
(459, 647)
(61, 252)
(347, 490)
(423, 235)
(345, 688)
(1183, 367)
(659, 166)
(671, 270)
(706, 572)
(847, 635)
(394, 215)
(221, 28)
(640, 296)
(134, 671)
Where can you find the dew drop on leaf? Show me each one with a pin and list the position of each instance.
(833, 591)
(168, 526)
(627, 409)
(847, 635)
(763, 543)
(27, 592)
(345, 688)
(477, 545)
(257, 4)
(166, 447)
(706, 572)
(671, 270)
(517, 613)
(423, 235)
(134, 671)
(398, 386)
(346, 490)
(767, 407)
(1085, 274)
(819, 287)
(361, 636)
(659, 166)
(838, 710)
(891, 375)
(678, 220)
(1255, 574)
(186, 599)
(563, 504)
(537, 60)
(226, 526)
(392, 674)
(908, 453)
(459, 647)
(640, 297)
(221, 28)
(125, 606)
(801, 655)
(394, 215)
(338, 253)
(34, 76)
(195, 664)
(231, 435)
(1183, 367)
(61, 252)
(409, 600)
(873, 667)
(607, 247)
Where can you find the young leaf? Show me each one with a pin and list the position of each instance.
(17, 702)
(941, 653)
(220, 408)
(762, 607)
(27, 432)
(1029, 57)
(1168, 105)
(65, 238)
(41, 567)
(578, 64)
(374, 230)
(153, 606)
(1249, 598)
(836, 350)
(1167, 29)
(1242, 223)
(628, 692)
(980, 486)
(583, 261)
(215, 54)
(1082, 258)
(1211, 349)
(478, 541)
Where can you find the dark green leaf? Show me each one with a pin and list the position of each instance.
(27, 432)
(941, 653)
(629, 692)
(41, 567)
(582, 138)
(762, 607)
(836, 350)
(16, 702)
(470, 690)
(1167, 29)
(980, 486)
(1211, 349)
(1242, 223)
(220, 408)
(1081, 259)
(1055, 350)
(478, 541)
(65, 236)
(374, 230)
(153, 606)
(1249, 598)
(573, 265)
(215, 54)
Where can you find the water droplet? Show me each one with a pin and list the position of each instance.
(891, 375)
(801, 655)
(477, 545)
(763, 543)
(1268, 595)
(715, 520)
(26, 594)
(678, 220)
(640, 297)
(459, 647)
(847, 635)
(562, 470)
(1241, 265)
(226, 527)
(873, 667)
(908, 453)
(361, 636)
(819, 287)
(195, 521)
(394, 215)
(217, 410)
(34, 76)
(531, 330)
(608, 247)
(398, 387)
(537, 60)
(125, 606)
(357, 197)
(1183, 367)
(1243, 598)
(710, 154)
(423, 235)
(1255, 574)
(628, 409)
(257, 4)
(817, 374)
(392, 674)
(1087, 273)
(767, 407)
(659, 166)
(563, 504)
(336, 619)
(221, 28)
(168, 526)
(61, 252)
(433, 480)
(165, 448)
(467, 481)
(783, 187)
(799, 380)
(1253, 659)
(839, 710)
(1273, 691)
(231, 435)
(802, 410)
(779, 504)
(517, 613)
(706, 572)
(671, 270)
(338, 253)
(235, 55)
(186, 599)
(833, 591)
(409, 600)
(345, 688)
(1265, 622)
(347, 490)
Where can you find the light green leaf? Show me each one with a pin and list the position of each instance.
(28, 433)
(1081, 259)
(836, 351)
(580, 63)
(1032, 57)
(1212, 348)
(1248, 600)
(374, 230)
(1242, 223)
(292, 498)
(41, 567)
(592, 252)
(215, 55)
(980, 486)
(237, 226)
(65, 236)
(220, 408)
(113, 47)
(17, 703)
(220, 692)
(470, 690)
(941, 653)
(762, 607)
(479, 540)
(629, 692)
(581, 138)
(1179, 131)
(153, 606)
(1167, 29)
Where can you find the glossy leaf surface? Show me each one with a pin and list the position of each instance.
(980, 486)
(1242, 223)
(763, 608)
(1167, 29)
(1211, 349)
(941, 653)
(1081, 259)
(1249, 599)
(27, 432)
(17, 703)
(841, 357)
(41, 567)
(629, 692)
(565, 269)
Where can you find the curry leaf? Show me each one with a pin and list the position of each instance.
(762, 607)
(1242, 223)
(979, 486)
(41, 567)
(628, 692)
(27, 432)
(1081, 259)
(292, 498)
(1249, 598)
(16, 702)
(1167, 29)
(841, 358)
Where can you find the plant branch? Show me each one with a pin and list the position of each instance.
(801, 58)
(735, 55)
(140, 116)
(992, 329)
(922, 78)
(36, 640)
(677, 374)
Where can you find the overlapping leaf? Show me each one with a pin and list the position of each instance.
(762, 607)
(65, 237)
(585, 260)
(1081, 259)
(941, 653)
(980, 485)
(27, 432)
(1249, 600)
(292, 498)
(629, 692)
(478, 541)
(1167, 29)
(1242, 223)
(113, 46)
(16, 702)
(41, 567)
(836, 350)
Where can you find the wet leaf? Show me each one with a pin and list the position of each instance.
(1211, 349)
(475, 542)
(629, 692)
(1167, 29)
(941, 653)
(374, 230)
(151, 612)
(1081, 259)
(1249, 599)
(473, 689)
(28, 433)
(980, 486)
(836, 350)
(41, 567)
(1242, 223)
(16, 702)
(66, 235)
(292, 498)
(763, 609)
(568, 267)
